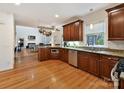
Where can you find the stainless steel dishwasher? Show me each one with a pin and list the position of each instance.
(73, 57)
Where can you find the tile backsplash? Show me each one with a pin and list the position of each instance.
(116, 45)
(111, 44)
(73, 43)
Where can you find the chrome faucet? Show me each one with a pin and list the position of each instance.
(92, 48)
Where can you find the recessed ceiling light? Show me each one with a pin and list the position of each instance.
(17, 3)
(56, 15)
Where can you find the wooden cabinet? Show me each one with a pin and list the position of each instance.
(43, 54)
(106, 65)
(78, 35)
(89, 62)
(63, 55)
(54, 54)
(66, 33)
(73, 31)
(121, 84)
(83, 61)
(99, 65)
(116, 23)
(94, 64)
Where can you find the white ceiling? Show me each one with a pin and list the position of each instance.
(43, 13)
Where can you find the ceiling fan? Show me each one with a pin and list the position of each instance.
(47, 30)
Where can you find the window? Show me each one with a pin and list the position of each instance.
(95, 34)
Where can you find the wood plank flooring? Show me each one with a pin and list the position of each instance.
(29, 73)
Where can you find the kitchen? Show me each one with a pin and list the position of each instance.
(95, 60)
(90, 45)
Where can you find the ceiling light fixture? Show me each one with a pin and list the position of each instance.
(17, 3)
(91, 26)
(56, 15)
(47, 30)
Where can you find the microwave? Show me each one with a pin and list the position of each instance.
(54, 51)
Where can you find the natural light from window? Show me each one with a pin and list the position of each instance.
(95, 34)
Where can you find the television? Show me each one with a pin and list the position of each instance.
(31, 37)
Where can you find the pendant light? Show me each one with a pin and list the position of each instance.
(91, 26)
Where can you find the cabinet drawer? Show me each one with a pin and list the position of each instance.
(121, 84)
(106, 57)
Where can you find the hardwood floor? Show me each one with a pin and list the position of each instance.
(30, 73)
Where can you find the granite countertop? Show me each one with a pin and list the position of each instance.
(111, 52)
(118, 53)
(49, 47)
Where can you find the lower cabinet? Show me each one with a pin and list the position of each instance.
(54, 53)
(94, 64)
(121, 84)
(43, 54)
(83, 61)
(106, 65)
(63, 55)
(88, 62)
(97, 64)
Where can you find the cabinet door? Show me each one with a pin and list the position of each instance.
(63, 55)
(66, 33)
(43, 54)
(47, 53)
(106, 65)
(94, 64)
(116, 25)
(83, 60)
(72, 32)
(69, 33)
(65, 29)
(105, 70)
(76, 24)
(121, 84)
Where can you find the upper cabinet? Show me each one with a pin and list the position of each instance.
(73, 31)
(116, 23)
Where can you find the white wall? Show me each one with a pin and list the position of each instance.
(24, 32)
(6, 41)
(58, 36)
